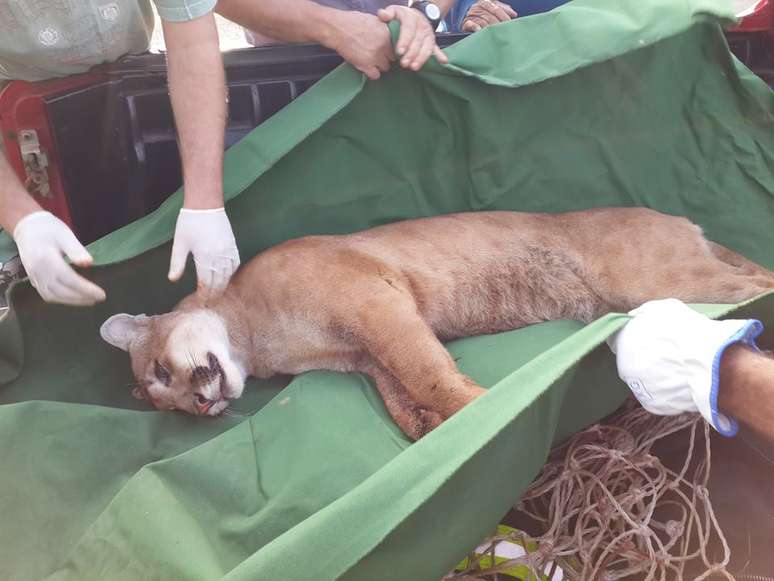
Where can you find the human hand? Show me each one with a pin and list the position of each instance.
(363, 41)
(416, 42)
(485, 13)
(668, 353)
(208, 236)
(43, 241)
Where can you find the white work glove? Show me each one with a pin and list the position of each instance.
(207, 235)
(669, 356)
(43, 241)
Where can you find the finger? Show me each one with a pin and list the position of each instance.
(71, 288)
(408, 44)
(204, 276)
(177, 261)
(487, 17)
(54, 292)
(371, 72)
(475, 23)
(64, 296)
(387, 14)
(508, 10)
(383, 64)
(481, 21)
(412, 48)
(440, 55)
(222, 278)
(495, 9)
(75, 251)
(424, 52)
(470, 26)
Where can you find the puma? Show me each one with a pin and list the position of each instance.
(381, 301)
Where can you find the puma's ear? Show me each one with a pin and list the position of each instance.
(138, 393)
(121, 330)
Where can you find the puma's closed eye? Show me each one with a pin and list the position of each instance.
(161, 373)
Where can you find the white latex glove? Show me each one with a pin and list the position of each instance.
(669, 356)
(43, 241)
(208, 236)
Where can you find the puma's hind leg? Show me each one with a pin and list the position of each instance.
(739, 262)
(732, 278)
(710, 273)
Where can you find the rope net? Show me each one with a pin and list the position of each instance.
(609, 509)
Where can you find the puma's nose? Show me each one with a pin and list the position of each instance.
(203, 404)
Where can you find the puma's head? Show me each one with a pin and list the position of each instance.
(181, 361)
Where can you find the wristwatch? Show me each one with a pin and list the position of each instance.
(430, 10)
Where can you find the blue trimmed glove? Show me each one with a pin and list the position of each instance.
(669, 356)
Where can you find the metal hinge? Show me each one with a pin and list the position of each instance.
(35, 162)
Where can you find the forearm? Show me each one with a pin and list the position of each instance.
(15, 201)
(197, 89)
(747, 388)
(287, 20)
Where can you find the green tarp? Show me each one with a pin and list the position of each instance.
(601, 102)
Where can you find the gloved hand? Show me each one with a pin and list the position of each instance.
(208, 236)
(669, 356)
(43, 240)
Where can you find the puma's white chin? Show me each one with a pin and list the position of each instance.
(218, 408)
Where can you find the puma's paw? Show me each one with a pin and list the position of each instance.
(427, 421)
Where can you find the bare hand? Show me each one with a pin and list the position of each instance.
(364, 41)
(485, 13)
(416, 42)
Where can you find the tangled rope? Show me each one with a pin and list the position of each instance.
(609, 509)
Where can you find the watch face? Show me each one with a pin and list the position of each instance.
(432, 11)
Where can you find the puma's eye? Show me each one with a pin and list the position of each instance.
(161, 373)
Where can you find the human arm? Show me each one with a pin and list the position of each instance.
(43, 242)
(361, 39)
(197, 90)
(677, 360)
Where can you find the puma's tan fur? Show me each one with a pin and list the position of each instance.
(378, 302)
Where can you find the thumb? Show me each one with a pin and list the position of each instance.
(74, 250)
(387, 14)
(178, 260)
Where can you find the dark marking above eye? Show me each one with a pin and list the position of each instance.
(202, 374)
(214, 364)
(161, 373)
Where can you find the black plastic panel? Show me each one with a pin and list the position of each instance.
(116, 139)
(754, 50)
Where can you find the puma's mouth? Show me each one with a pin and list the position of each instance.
(204, 401)
(204, 405)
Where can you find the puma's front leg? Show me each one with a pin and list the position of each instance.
(414, 420)
(394, 334)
